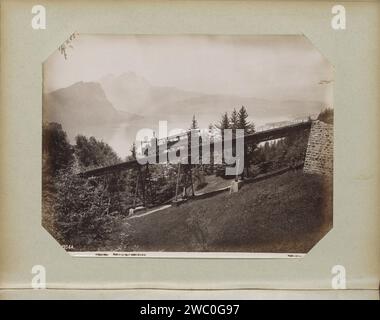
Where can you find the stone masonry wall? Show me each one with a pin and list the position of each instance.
(320, 149)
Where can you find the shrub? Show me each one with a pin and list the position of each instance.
(327, 116)
(81, 212)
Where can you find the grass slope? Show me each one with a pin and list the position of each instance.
(287, 213)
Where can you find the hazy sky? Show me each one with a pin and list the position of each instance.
(268, 67)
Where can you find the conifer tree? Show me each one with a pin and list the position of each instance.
(224, 122)
(243, 122)
(234, 120)
(248, 128)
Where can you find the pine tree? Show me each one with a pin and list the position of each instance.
(234, 120)
(243, 122)
(222, 125)
(248, 128)
(224, 122)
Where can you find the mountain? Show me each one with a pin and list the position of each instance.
(80, 106)
(82, 103)
(132, 93)
(117, 107)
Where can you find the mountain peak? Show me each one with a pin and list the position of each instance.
(82, 102)
(80, 85)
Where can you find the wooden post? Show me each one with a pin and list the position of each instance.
(143, 185)
(177, 184)
(148, 178)
(237, 167)
(191, 181)
(212, 155)
(184, 193)
(137, 188)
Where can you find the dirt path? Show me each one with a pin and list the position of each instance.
(150, 212)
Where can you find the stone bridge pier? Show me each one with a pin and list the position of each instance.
(320, 149)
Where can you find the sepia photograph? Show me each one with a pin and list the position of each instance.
(187, 145)
(169, 152)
